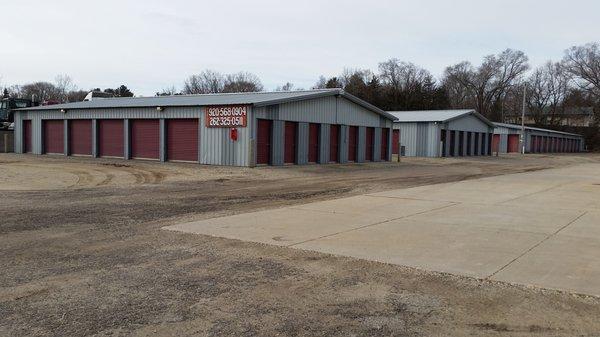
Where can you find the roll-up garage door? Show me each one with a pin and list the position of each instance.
(313, 142)
(144, 138)
(80, 137)
(452, 143)
(352, 142)
(496, 143)
(334, 143)
(370, 133)
(289, 154)
(385, 132)
(110, 138)
(27, 136)
(263, 142)
(513, 143)
(182, 139)
(461, 143)
(396, 142)
(54, 136)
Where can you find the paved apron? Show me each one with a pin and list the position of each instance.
(537, 228)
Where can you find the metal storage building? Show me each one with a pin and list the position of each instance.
(507, 140)
(443, 133)
(241, 129)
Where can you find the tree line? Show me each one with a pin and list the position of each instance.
(495, 87)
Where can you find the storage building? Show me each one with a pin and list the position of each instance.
(442, 133)
(242, 129)
(507, 140)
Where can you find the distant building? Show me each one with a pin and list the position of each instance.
(573, 116)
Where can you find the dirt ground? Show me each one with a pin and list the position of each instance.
(82, 253)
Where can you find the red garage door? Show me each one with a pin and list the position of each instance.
(496, 143)
(54, 136)
(263, 142)
(513, 143)
(27, 136)
(289, 153)
(334, 143)
(182, 139)
(384, 143)
(313, 143)
(396, 142)
(370, 133)
(144, 138)
(352, 142)
(110, 137)
(80, 137)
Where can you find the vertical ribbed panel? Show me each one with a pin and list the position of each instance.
(343, 146)
(390, 137)
(66, 136)
(377, 145)
(162, 144)
(302, 144)
(217, 147)
(126, 140)
(277, 143)
(18, 135)
(448, 140)
(324, 144)
(503, 147)
(94, 138)
(361, 143)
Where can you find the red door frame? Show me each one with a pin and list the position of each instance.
(80, 137)
(369, 142)
(144, 136)
(385, 137)
(182, 139)
(263, 141)
(334, 143)
(352, 143)
(54, 136)
(27, 148)
(396, 141)
(290, 146)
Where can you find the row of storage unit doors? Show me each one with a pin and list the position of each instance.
(264, 142)
(541, 144)
(465, 143)
(181, 138)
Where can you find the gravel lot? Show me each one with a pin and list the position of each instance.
(82, 253)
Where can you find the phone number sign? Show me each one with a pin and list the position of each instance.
(229, 116)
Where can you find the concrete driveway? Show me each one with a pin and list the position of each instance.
(539, 228)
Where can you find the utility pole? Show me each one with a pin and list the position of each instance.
(523, 121)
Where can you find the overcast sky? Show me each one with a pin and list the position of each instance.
(150, 45)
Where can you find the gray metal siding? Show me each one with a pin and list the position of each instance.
(324, 144)
(468, 123)
(377, 145)
(277, 143)
(343, 145)
(361, 142)
(503, 147)
(302, 144)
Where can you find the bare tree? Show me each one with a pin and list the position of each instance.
(207, 82)
(548, 87)
(40, 92)
(321, 83)
(402, 76)
(64, 85)
(242, 82)
(484, 86)
(286, 87)
(583, 62)
(169, 91)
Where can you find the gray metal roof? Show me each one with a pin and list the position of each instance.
(251, 98)
(518, 127)
(435, 116)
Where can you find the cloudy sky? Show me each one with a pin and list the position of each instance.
(150, 45)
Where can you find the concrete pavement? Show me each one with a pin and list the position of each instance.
(538, 228)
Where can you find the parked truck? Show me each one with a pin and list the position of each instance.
(7, 105)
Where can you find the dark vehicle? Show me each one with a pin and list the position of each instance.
(9, 104)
